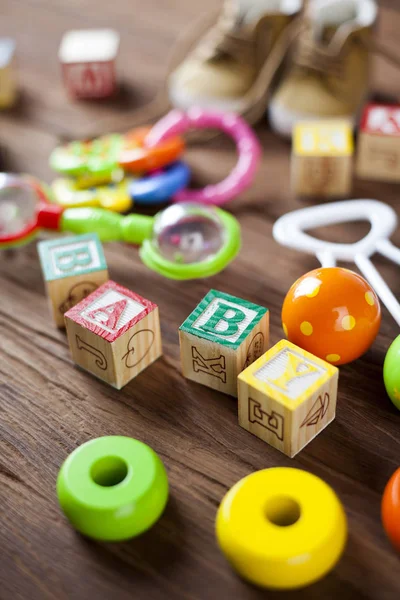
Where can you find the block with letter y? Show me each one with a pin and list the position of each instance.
(114, 333)
(287, 397)
(220, 338)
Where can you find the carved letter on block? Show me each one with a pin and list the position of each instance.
(114, 333)
(73, 267)
(87, 58)
(322, 159)
(378, 155)
(220, 338)
(287, 397)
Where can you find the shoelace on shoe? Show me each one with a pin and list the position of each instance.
(326, 58)
(227, 38)
(329, 58)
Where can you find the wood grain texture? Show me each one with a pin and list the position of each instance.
(287, 397)
(220, 337)
(378, 157)
(48, 406)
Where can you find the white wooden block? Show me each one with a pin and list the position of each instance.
(88, 58)
(378, 155)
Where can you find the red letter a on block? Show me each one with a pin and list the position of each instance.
(108, 315)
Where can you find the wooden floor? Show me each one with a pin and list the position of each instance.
(48, 407)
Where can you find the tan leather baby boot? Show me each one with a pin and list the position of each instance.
(329, 66)
(232, 66)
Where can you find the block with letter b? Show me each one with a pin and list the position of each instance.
(287, 397)
(114, 333)
(73, 267)
(220, 338)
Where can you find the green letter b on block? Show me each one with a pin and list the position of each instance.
(221, 314)
(67, 260)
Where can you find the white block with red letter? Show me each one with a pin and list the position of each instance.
(378, 155)
(114, 333)
(87, 58)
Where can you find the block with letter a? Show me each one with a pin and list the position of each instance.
(378, 154)
(114, 333)
(88, 58)
(220, 338)
(73, 267)
(287, 397)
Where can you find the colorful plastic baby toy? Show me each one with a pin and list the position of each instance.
(184, 241)
(152, 158)
(333, 313)
(391, 372)
(281, 528)
(292, 230)
(112, 488)
(390, 509)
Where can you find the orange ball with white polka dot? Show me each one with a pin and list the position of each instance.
(333, 313)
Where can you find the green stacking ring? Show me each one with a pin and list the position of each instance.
(112, 488)
(391, 372)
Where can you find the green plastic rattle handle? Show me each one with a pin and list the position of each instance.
(109, 226)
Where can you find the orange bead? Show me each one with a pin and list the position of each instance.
(391, 509)
(333, 313)
(136, 158)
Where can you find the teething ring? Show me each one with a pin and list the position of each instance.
(249, 151)
(281, 528)
(137, 158)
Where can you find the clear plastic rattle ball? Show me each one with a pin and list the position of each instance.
(188, 233)
(17, 205)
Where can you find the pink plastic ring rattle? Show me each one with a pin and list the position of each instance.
(248, 147)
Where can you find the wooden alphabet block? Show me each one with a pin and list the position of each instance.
(8, 87)
(287, 397)
(378, 155)
(87, 59)
(321, 163)
(73, 267)
(114, 333)
(220, 338)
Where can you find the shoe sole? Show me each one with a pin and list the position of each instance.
(185, 101)
(283, 120)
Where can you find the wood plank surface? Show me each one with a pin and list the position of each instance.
(48, 407)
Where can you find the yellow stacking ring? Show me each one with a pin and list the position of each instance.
(281, 528)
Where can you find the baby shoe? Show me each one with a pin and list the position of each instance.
(232, 66)
(328, 70)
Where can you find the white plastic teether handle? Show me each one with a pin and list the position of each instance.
(289, 231)
(386, 248)
(326, 259)
(379, 284)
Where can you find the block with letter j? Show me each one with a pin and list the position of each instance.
(220, 338)
(114, 333)
(287, 397)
